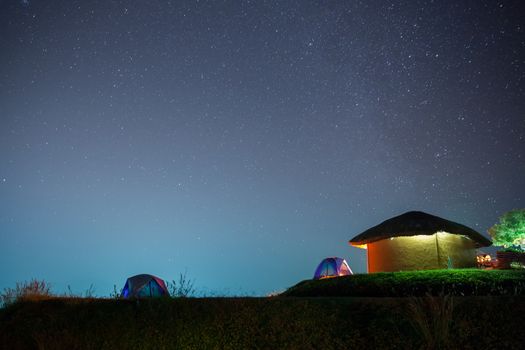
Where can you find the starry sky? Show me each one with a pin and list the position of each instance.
(244, 141)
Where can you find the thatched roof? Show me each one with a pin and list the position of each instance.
(416, 223)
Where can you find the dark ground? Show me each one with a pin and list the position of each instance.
(441, 309)
(266, 323)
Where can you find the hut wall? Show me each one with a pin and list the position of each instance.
(422, 252)
(460, 249)
(402, 253)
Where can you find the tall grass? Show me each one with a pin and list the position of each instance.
(182, 288)
(432, 317)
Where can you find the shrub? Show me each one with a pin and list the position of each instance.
(517, 265)
(28, 290)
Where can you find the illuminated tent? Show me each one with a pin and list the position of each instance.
(144, 286)
(419, 241)
(332, 267)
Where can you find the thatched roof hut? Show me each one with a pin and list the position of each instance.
(416, 240)
(417, 223)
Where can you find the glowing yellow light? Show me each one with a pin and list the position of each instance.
(484, 259)
(422, 237)
(362, 246)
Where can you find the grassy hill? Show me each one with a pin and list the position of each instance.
(462, 282)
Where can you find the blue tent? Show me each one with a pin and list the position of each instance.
(144, 286)
(332, 267)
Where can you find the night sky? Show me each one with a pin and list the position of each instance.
(244, 141)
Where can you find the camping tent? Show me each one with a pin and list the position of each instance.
(144, 286)
(332, 267)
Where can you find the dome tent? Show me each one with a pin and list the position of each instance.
(332, 267)
(144, 286)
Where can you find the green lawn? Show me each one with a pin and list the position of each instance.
(460, 282)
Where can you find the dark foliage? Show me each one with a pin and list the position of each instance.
(265, 323)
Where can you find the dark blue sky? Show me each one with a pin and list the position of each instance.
(244, 141)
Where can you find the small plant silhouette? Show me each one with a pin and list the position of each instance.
(432, 317)
(88, 293)
(183, 288)
(115, 294)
